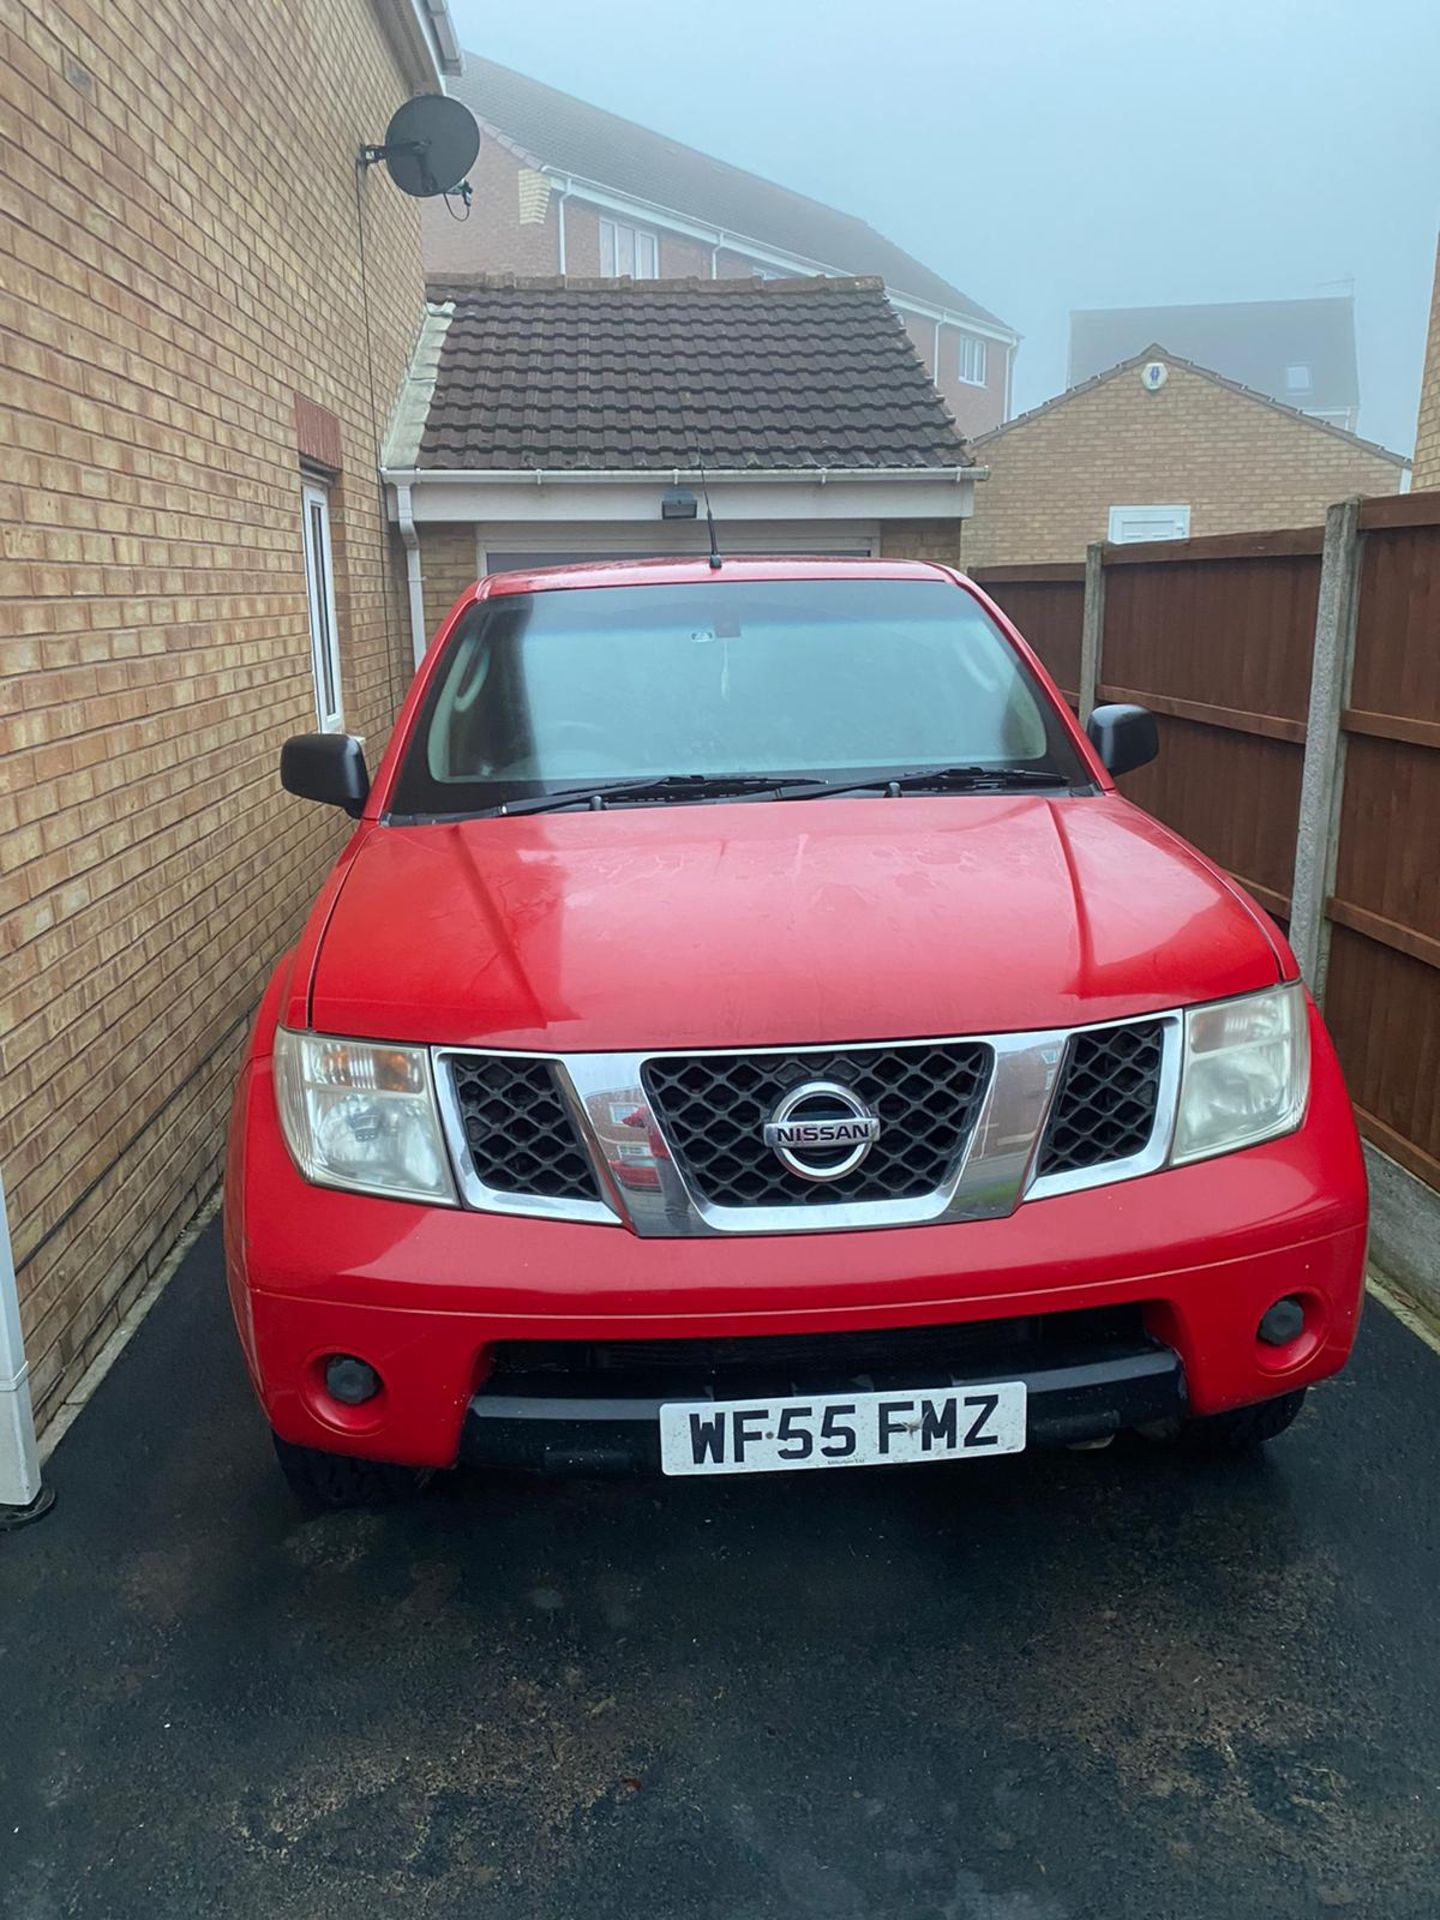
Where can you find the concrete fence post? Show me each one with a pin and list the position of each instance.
(1092, 628)
(1322, 783)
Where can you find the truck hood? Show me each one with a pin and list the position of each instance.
(768, 924)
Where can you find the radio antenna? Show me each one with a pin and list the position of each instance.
(715, 560)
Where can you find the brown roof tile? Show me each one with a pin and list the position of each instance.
(549, 374)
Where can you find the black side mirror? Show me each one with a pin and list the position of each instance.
(329, 767)
(1124, 737)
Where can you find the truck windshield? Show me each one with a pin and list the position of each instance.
(823, 681)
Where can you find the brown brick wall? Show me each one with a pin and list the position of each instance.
(493, 239)
(922, 332)
(447, 561)
(582, 240)
(1427, 432)
(1237, 463)
(976, 409)
(179, 263)
(680, 257)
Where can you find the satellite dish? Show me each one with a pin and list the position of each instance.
(430, 145)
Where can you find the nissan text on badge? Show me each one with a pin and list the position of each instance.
(748, 1031)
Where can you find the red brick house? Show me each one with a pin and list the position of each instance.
(564, 187)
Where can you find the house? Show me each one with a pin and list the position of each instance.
(1159, 448)
(564, 187)
(550, 420)
(199, 362)
(1298, 351)
(1427, 432)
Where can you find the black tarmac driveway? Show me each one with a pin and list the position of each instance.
(1060, 1687)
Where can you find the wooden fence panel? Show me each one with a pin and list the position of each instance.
(1047, 603)
(1233, 795)
(1215, 636)
(1382, 989)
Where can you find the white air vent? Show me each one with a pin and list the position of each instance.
(1129, 524)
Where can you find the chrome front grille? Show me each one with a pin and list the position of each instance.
(1104, 1109)
(519, 1135)
(675, 1145)
(712, 1109)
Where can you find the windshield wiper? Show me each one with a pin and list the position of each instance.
(666, 786)
(935, 780)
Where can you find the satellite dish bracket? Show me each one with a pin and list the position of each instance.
(368, 156)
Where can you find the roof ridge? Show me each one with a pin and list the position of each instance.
(1155, 351)
(1215, 306)
(658, 133)
(442, 285)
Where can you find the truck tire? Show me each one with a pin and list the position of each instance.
(1242, 1429)
(325, 1482)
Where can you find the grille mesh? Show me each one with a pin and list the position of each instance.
(520, 1135)
(1105, 1107)
(712, 1109)
(847, 1355)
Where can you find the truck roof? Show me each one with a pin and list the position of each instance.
(696, 568)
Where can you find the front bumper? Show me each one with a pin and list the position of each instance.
(614, 1427)
(425, 1294)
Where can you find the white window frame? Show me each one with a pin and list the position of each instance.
(1178, 517)
(621, 248)
(320, 599)
(971, 359)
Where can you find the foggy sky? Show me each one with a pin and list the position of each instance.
(1050, 154)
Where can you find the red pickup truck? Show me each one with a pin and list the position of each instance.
(748, 1031)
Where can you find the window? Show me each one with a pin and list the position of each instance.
(540, 692)
(1297, 379)
(320, 592)
(972, 360)
(628, 250)
(1128, 524)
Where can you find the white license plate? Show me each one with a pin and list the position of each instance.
(842, 1429)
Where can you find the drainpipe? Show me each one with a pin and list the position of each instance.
(414, 580)
(22, 1498)
(560, 199)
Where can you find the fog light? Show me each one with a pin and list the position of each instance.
(352, 1382)
(1284, 1322)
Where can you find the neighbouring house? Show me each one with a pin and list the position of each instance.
(550, 420)
(1158, 448)
(1299, 351)
(565, 187)
(1427, 432)
(200, 358)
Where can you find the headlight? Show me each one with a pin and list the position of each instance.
(356, 1114)
(1246, 1072)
